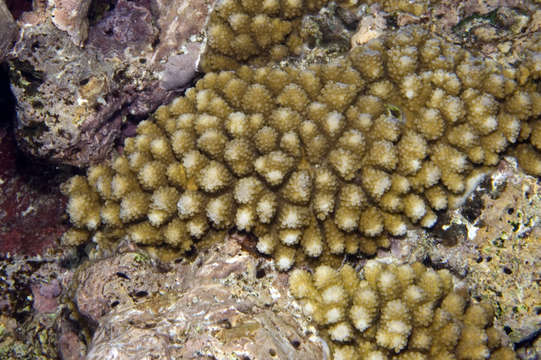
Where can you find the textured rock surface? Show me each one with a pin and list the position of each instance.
(31, 221)
(225, 304)
(117, 281)
(507, 272)
(501, 248)
(71, 17)
(33, 316)
(8, 29)
(31, 206)
(75, 101)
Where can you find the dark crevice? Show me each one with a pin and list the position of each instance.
(98, 10)
(141, 293)
(26, 76)
(7, 100)
(17, 7)
(260, 273)
(473, 207)
(527, 341)
(122, 275)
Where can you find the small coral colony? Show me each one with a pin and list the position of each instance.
(321, 160)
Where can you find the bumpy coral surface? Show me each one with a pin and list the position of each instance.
(254, 31)
(396, 312)
(327, 159)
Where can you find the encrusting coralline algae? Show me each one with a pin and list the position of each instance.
(318, 160)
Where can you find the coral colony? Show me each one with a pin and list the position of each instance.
(409, 310)
(325, 159)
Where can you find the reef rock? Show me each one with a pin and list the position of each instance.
(118, 280)
(33, 320)
(226, 303)
(31, 206)
(71, 17)
(8, 29)
(82, 70)
(500, 250)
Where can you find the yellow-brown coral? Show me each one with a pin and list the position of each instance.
(313, 161)
(243, 31)
(396, 312)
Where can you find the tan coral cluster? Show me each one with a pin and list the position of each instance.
(406, 312)
(254, 31)
(325, 159)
